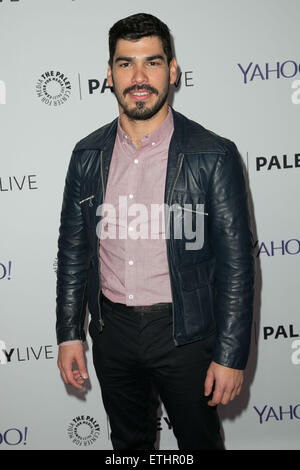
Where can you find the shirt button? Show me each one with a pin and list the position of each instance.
(130, 296)
(130, 262)
(130, 196)
(153, 143)
(136, 160)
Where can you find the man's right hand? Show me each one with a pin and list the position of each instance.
(68, 355)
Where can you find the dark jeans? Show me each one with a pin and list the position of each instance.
(135, 359)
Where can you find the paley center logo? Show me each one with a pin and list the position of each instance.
(284, 332)
(53, 88)
(83, 430)
(277, 162)
(273, 70)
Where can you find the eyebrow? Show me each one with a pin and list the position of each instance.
(149, 58)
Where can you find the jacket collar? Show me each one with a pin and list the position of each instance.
(110, 131)
(189, 136)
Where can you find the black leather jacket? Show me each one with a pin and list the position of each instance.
(212, 286)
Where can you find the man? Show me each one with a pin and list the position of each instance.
(168, 316)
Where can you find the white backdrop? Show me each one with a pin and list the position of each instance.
(240, 77)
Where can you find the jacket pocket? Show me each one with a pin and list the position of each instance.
(197, 283)
(198, 275)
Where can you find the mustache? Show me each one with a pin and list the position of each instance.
(140, 87)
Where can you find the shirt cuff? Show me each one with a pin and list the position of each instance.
(73, 341)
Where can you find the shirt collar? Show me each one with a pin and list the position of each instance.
(154, 138)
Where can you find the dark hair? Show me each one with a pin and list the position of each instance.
(138, 26)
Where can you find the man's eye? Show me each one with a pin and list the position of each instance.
(153, 63)
(125, 64)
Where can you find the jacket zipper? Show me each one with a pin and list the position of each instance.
(82, 313)
(103, 195)
(88, 199)
(191, 210)
(179, 165)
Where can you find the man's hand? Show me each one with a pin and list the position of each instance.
(67, 356)
(228, 383)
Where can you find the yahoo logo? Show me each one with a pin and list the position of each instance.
(287, 69)
(14, 436)
(278, 414)
(5, 270)
(272, 248)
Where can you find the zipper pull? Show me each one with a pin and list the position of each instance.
(179, 207)
(88, 199)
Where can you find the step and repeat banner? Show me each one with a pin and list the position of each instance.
(239, 77)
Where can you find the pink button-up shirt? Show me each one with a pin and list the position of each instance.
(134, 266)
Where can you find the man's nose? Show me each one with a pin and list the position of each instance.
(140, 76)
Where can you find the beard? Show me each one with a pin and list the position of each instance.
(140, 111)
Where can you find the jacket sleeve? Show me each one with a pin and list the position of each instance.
(232, 242)
(72, 260)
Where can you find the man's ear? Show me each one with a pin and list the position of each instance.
(109, 76)
(173, 71)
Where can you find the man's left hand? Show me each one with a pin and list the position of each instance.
(227, 384)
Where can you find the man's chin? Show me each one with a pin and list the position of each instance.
(139, 113)
(140, 116)
(142, 112)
